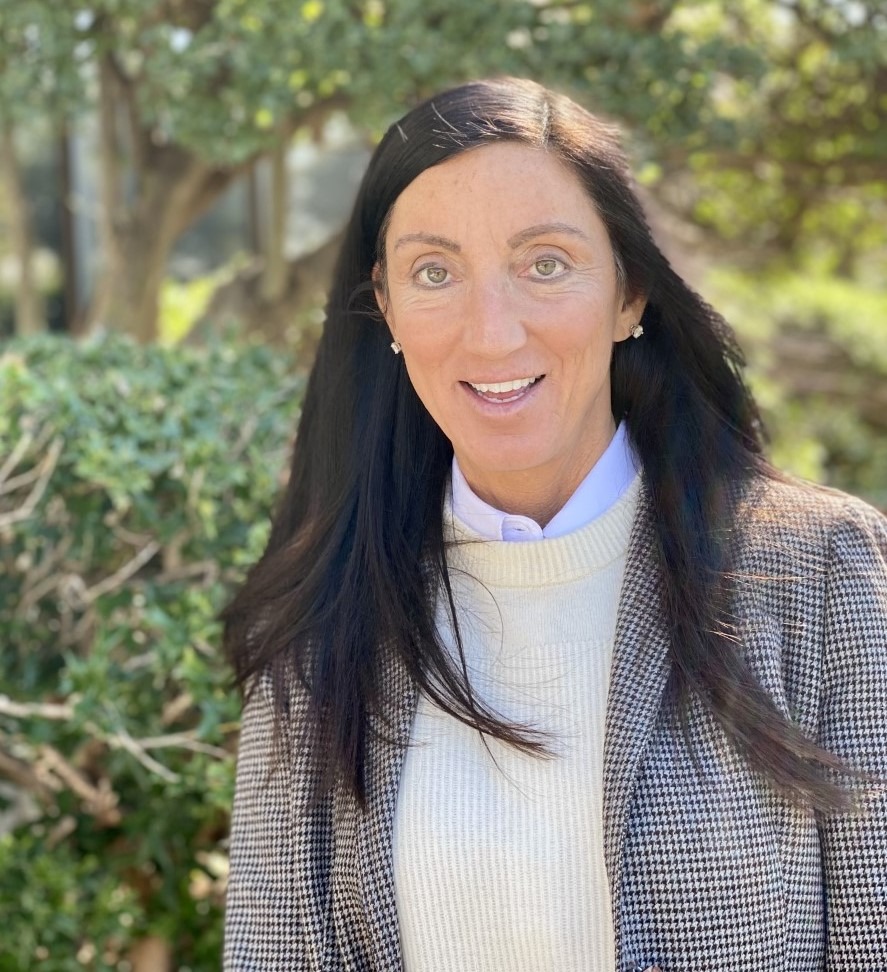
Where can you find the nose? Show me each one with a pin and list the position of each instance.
(494, 321)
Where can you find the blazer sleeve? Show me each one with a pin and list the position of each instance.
(853, 724)
(261, 919)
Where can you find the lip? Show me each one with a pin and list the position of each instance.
(502, 409)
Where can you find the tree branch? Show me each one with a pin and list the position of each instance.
(119, 739)
(121, 575)
(25, 777)
(139, 139)
(183, 740)
(100, 801)
(47, 467)
(109, 148)
(122, 739)
(15, 457)
(56, 712)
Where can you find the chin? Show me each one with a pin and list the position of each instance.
(495, 462)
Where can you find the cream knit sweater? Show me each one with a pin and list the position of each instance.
(498, 856)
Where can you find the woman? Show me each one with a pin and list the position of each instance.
(547, 667)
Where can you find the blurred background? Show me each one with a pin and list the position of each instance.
(174, 175)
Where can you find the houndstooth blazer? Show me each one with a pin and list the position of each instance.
(709, 868)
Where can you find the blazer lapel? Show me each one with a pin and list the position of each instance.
(638, 678)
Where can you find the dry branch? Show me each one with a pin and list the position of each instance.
(47, 467)
(121, 575)
(119, 739)
(183, 740)
(24, 776)
(15, 457)
(98, 800)
(40, 710)
(123, 740)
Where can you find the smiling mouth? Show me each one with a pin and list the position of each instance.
(502, 392)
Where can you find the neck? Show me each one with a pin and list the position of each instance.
(539, 493)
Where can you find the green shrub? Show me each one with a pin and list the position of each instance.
(136, 485)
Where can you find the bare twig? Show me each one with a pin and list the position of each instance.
(123, 740)
(127, 536)
(17, 482)
(176, 708)
(183, 740)
(25, 776)
(47, 467)
(39, 710)
(64, 828)
(137, 662)
(21, 808)
(83, 631)
(40, 572)
(101, 801)
(209, 568)
(15, 457)
(31, 595)
(123, 574)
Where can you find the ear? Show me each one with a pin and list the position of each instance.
(630, 314)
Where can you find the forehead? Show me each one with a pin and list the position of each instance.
(504, 187)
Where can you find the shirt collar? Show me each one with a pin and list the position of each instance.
(604, 484)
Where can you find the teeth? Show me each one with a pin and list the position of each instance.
(504, 386)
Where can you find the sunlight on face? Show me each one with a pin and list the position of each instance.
(500, 285)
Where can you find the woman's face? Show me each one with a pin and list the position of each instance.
(500, 286)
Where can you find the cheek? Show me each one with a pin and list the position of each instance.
(428, 332)
(580, 333)
(429, 343)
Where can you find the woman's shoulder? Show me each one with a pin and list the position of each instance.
(782, 517)
(810, 574)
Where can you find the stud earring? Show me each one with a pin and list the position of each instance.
(395, 347)
(636, 331)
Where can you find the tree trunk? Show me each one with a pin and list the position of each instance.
(127, 293)
(274, 277)
(171, 188)
(30, 317)
(139, 232)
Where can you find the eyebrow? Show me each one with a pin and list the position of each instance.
(524, 236)
(442, 241)
(543, 229)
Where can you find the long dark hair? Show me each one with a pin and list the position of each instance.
(356, 557)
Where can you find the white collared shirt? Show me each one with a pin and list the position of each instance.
(605, 482)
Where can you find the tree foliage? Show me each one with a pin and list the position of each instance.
(796, 176)
(818, 347)
(770, 99)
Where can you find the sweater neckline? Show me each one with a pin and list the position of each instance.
(601, 487)
(538, 563)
